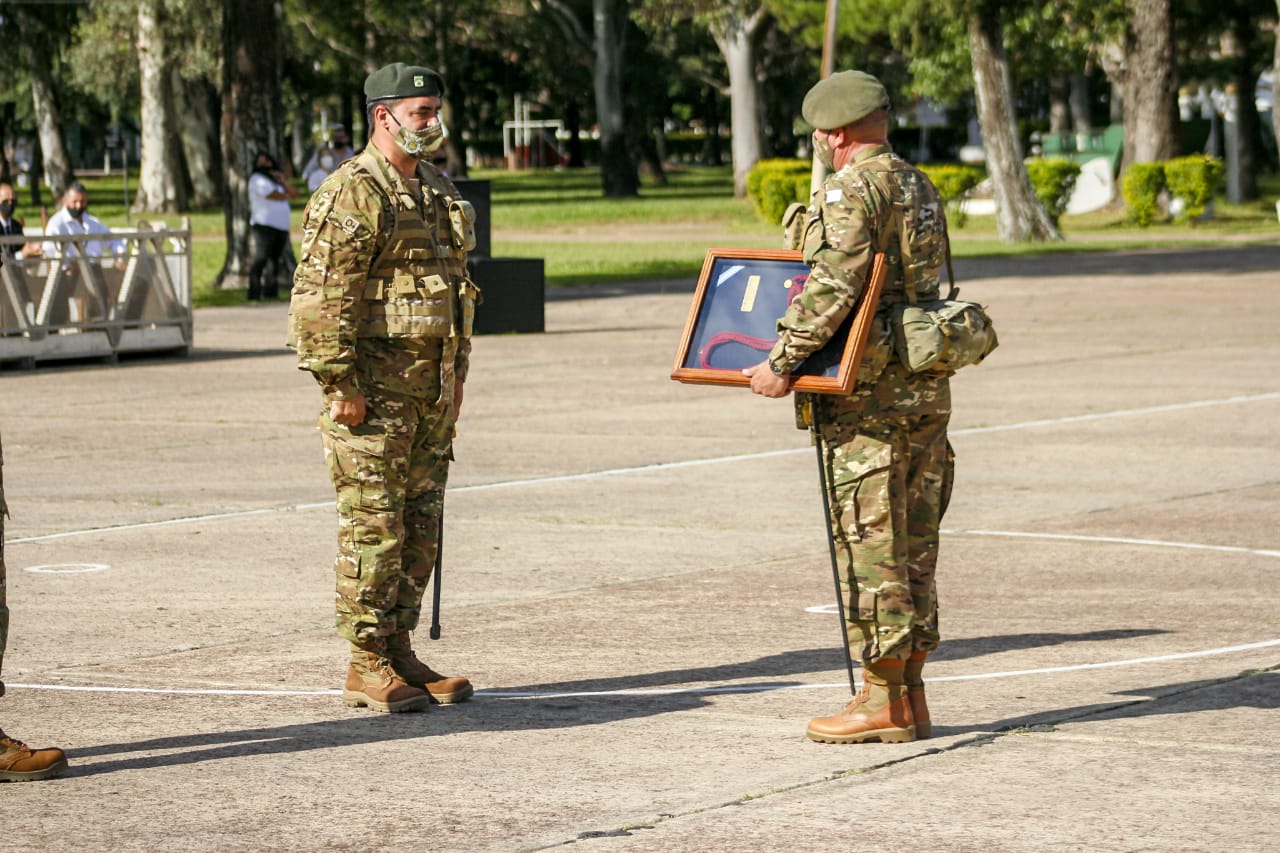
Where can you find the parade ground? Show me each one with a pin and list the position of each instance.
(636, 579)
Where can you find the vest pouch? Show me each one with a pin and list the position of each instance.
(408, 307)
(468, 299)
(462, 218)
(942, 336)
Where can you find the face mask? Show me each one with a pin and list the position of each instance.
(823, 151)
(6, 207)
(326, 163)
(419, 144)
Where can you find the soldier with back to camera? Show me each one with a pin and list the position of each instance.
(886, 457)
(381, 315)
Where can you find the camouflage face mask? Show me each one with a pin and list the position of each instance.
(419, 144)
(823, 151)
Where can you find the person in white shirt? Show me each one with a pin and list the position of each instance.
(327, 157)
(269, 194)
(75, 219)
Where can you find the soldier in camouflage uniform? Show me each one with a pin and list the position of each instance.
(381, 315)
(887, 460)
(19, 762)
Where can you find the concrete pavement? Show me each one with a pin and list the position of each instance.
(637, 581)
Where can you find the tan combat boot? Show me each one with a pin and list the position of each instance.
(21, 763)
(444, 689)
(371, 682)
(880, 711)
(913, 677)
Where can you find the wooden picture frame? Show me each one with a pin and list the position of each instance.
(741, 294)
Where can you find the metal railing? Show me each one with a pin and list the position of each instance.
(75, 303)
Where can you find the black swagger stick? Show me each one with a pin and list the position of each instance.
(435, 580)
(831, 543)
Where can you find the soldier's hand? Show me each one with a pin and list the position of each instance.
(765, 382)
(457, 399)
(348, 412)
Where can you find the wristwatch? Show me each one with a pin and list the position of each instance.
(777, 371)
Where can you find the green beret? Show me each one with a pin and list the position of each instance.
(842, 98)
(398, 80)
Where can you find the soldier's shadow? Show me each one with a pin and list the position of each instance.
(537, 706)
(1256, 689)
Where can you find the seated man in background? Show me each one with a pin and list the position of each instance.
(75, 219)
(11, 225)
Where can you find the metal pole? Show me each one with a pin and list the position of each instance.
(828, 65)
(831, 544)
(435, 581)
(829, 40)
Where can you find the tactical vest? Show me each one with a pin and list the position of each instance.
(418, 285)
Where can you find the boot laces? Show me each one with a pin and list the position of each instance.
(12, 743)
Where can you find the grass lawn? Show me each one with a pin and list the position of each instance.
(561, 217)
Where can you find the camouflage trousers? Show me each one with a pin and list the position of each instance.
(4, 609)
(888, 482)
(389, 473)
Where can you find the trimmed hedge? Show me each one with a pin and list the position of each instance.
(1194, 180)
(775, 184)
(1141, 188)
(954, 183)
(1053, 179)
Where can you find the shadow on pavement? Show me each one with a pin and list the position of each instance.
(1250, 689)
(499, 714)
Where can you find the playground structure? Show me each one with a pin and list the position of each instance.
(529, 143)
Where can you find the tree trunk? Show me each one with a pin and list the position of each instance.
(1275, 86)
(53, 149)
(1149, 83)
(1081, 120)
(736, 37)
(252, 117)
(159, 190)
(1249, 150)
(712, 151)
(1059, 105)
(1019, 215)
(199, 141)
(617, 170)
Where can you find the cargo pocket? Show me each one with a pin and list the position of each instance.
(878, 351)
(860, 481)
(356, 457)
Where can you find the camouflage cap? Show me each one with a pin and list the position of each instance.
(398, 80)
(842, 98)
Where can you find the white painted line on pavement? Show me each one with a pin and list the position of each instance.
(642, 469)
(67, 568)
(671, 691)
(1119, 540)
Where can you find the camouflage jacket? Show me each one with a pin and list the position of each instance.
(346, 226)
(860, 211)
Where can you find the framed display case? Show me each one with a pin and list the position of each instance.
(732, 322)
